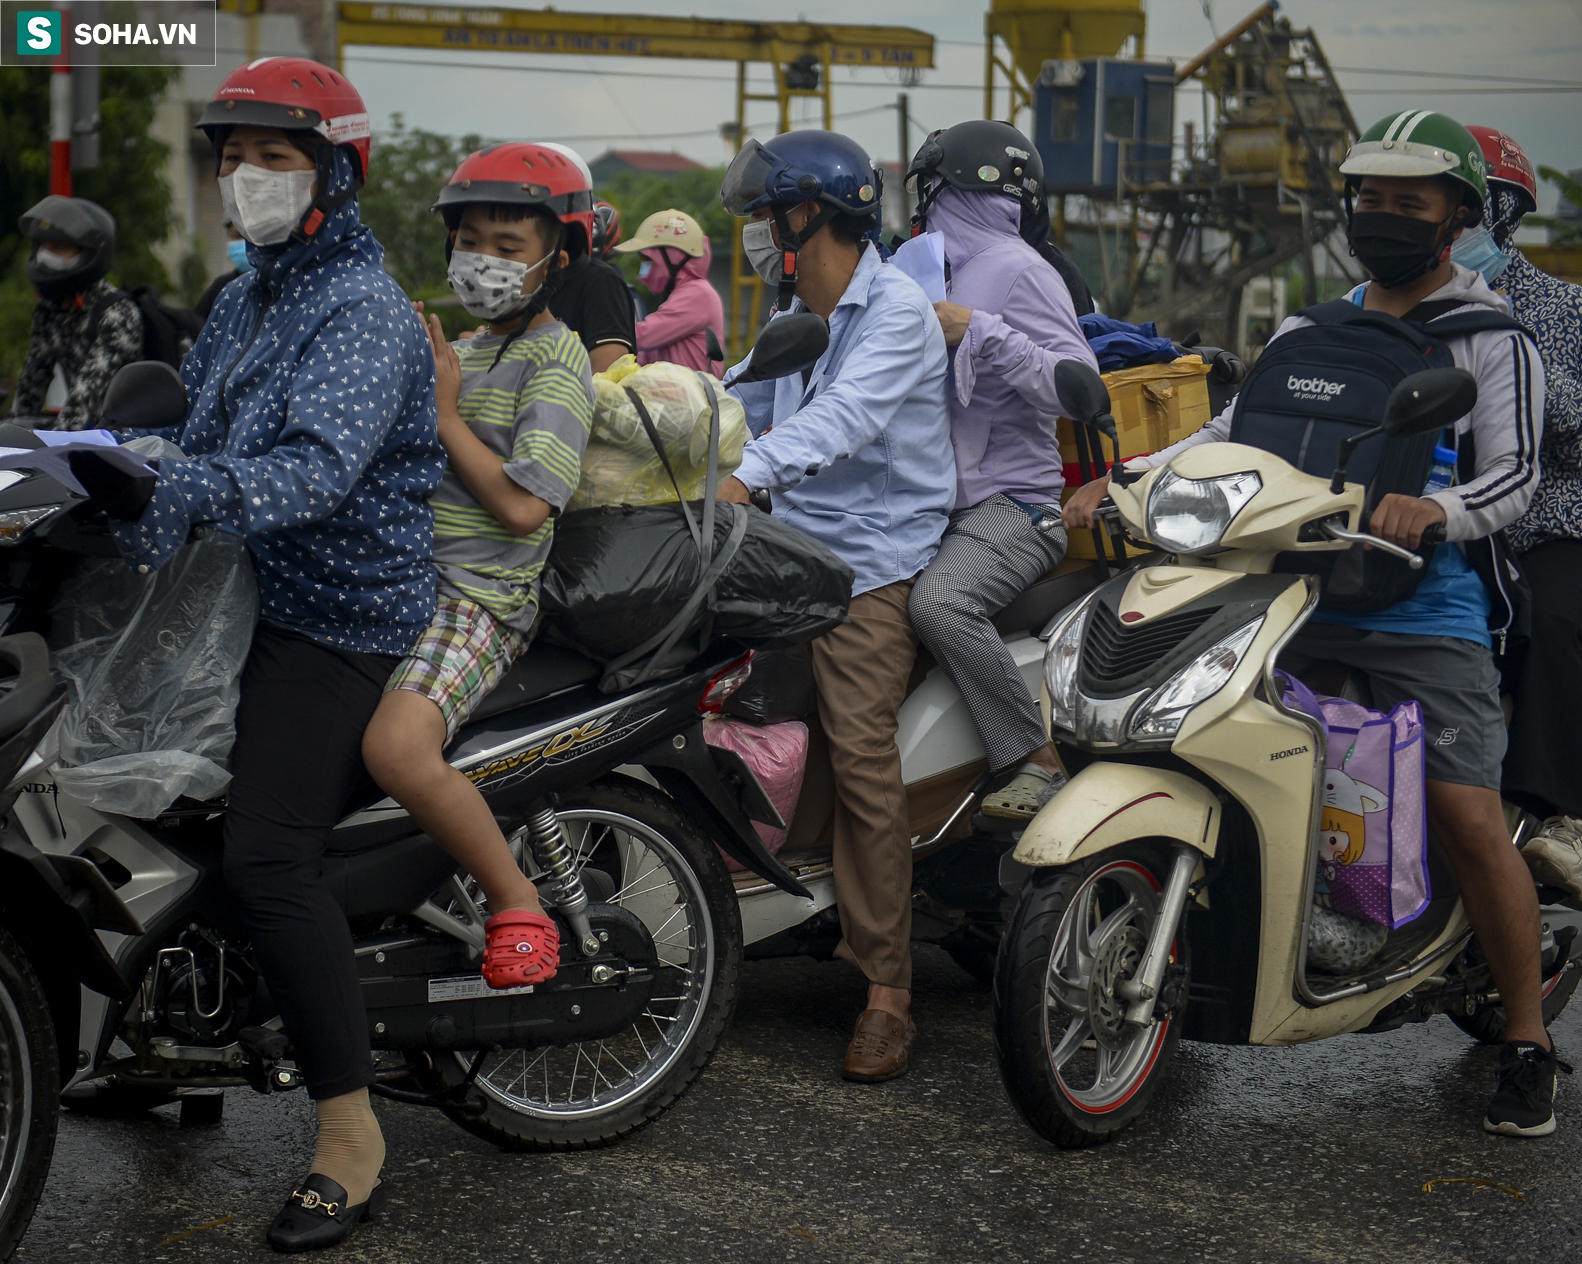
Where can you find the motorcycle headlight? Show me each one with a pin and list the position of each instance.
(1189, 515)
(1163, 711)
(1060, 664)
(15, 522)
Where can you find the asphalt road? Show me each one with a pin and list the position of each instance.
(1317, 1153)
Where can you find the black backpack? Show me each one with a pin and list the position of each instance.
(1316, 385)
(168, 332)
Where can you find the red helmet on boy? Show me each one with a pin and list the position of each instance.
(295, 95)
(1508, 163)
(523, 174)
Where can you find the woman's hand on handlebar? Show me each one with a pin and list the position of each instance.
(735, 491)
(1078, 511)
(1403, 519)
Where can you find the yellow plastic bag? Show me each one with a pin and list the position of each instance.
(620, 466)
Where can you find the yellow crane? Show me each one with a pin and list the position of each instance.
(801, 55)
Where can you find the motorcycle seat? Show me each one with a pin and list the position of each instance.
(542, 671)
(1044, 599)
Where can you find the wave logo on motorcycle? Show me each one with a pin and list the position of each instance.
(561, 745)
(1173, 880)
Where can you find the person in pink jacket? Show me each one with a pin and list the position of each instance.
(675, 268)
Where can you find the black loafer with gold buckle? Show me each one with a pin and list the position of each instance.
(316, 1215)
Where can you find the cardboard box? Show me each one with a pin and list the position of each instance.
(1154, 406)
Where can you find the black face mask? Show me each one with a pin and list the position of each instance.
(1395, 249)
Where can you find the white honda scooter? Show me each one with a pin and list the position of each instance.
(1173, 882)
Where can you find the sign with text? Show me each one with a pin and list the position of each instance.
(108, 33)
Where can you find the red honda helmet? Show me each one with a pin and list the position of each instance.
(293, 94)
(523, 174)
(1508, 162)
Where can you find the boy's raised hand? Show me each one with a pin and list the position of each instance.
(447, 368)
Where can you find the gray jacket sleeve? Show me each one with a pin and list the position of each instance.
(1506, 427)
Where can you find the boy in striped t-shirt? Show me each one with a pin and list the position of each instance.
(515, 408)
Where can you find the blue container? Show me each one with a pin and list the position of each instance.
(1115, 108)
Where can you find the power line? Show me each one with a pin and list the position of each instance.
(1448, 74)
(1537, 85)
(1358, 70)
(712, 131)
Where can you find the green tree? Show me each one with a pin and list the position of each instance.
(129, 183)
(409, 168)
(638, 194)
(1562, 232)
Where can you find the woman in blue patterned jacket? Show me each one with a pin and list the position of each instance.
(312, 434)
(1543, 764)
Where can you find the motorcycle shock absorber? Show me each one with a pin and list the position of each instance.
(547, 837)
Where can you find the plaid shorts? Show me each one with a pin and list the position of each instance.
(462, 654)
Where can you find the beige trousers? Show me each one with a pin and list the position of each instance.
(861, 670)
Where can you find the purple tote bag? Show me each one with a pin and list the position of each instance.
(1373, 832)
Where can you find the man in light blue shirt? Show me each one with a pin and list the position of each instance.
(857, 454)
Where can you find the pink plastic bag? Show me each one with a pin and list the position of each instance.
(777, 754)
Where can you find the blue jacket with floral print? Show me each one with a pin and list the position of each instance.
(312, 432)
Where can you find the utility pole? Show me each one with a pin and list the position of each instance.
(60, 113)
(904, 128)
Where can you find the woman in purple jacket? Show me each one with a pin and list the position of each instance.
(1008, 322)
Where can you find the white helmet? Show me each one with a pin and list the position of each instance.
(572, 154)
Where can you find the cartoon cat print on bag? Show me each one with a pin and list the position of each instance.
(1342, 829)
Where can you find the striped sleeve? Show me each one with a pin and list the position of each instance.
(554, 413)
(1506, 427)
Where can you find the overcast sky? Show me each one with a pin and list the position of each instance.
(1530, 39)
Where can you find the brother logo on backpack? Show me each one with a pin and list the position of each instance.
(1313, 388)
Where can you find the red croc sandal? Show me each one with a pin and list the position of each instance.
(521, 948)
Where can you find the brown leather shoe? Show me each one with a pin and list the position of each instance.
(879, 1048)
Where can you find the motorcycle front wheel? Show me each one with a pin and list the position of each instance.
(663, 870)
(1074, 1068)
(29, 1092)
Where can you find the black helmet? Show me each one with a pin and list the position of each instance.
(73, 222)
(982, 156)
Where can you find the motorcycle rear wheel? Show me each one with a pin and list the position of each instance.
(29, 1092)
(669, 875)
(1486, 1024)
(1073, 1068)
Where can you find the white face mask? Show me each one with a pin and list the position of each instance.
(768, 259)
(490, 288)
(52, 260)
(266, 206)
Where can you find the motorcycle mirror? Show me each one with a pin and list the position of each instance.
(1430, 400)
(143, 395)
(711, 345)
(787, 345)
(1082, 391)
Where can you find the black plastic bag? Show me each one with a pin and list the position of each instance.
(780, 688)
(618, 573)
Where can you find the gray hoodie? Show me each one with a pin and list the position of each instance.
(1506, 424)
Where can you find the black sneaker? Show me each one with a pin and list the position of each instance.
(1523, 1103)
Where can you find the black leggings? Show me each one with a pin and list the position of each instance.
(1543, 765)
(298, 758)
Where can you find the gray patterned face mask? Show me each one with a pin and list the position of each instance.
(490, 288)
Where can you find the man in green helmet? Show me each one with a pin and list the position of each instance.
(1414, 180)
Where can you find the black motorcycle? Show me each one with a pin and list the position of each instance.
(121, 929)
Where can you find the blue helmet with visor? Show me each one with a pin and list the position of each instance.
(797, 167)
